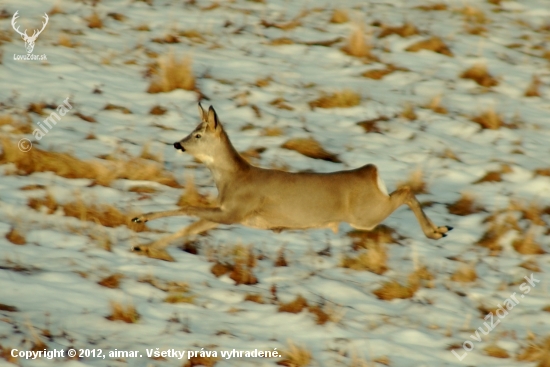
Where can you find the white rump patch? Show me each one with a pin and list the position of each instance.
(381, 184)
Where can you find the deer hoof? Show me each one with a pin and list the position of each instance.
(449, 228)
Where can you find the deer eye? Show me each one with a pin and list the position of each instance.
(198, 136)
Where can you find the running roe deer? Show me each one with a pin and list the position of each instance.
(271, 199)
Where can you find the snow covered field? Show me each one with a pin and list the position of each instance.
(453, 96)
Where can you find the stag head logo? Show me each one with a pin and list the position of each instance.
(29, 41)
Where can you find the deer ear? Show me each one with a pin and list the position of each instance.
(213, 122)
(202, 113)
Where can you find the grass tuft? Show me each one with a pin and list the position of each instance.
(415, 182)
(125, 313)
(295, 356)
(339, 16)
(310, 148)
(480, 74)
(495, 351)
(170, 73)
(406, 30)
(373, 260)
(357, 44)
(94, 21)
(489, 119)
(106, 215)
(434, 44)
(533, 88)
(112, 281)
(102, 172)
(466, 205)
(295, 306)
(15, 237)
(465, 273)
(536, 351)
(435, 105)
(341, 99)
(392, 290)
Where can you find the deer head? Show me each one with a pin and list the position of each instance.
(29, 41)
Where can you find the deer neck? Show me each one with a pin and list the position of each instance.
(227, 163)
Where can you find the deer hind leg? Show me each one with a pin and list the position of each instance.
(157, 250)
(405, 196)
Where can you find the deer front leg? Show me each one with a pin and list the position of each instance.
(156, 249)
(216, 215)
(405, 196)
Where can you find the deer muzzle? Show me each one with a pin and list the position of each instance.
(178, 146)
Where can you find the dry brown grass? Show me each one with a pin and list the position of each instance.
(65, 41)
(16, 126)
(536, 351)
(170, 73)
(378, 74)
(500, 223)
(480, 74)
(157, 110)
(272, 131)
(295, 356)
(406, 30)
(392, 290)
(106, 215)
(339, 16)
(370, 126)
(358, 45)
(281, 104)
(94, 21)
(465, 273)
(489, 119)
(15, 237)
(114, 107)
(112, 281)
(201, 362)
(321, 316)
(281, 260)
(176, 297)
(5, 353)
(102, 172)
(374, 259)
(473, 14)
(533, 90)
(494, 350)
(340, 99)
(435, 105)
(295, 306)
(126, 313)
(310, 148)
(281, 41)
(408, 112)
(433, 7)
(256, 298)
(239, 262)
(531, 264)
(434, 44)
(526, 244)
(465, 205)
(263, 82)
(381, 234)
(415, 182)
(192, 197)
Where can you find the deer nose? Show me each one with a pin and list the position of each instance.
(177, 145)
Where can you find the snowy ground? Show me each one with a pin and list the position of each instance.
(51, 281)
